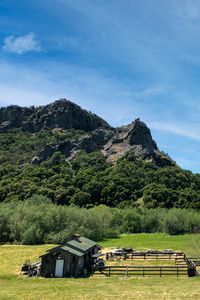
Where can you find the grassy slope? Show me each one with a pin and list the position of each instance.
(155, 241)
(15, 286)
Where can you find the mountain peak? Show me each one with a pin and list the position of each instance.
(60, 114)
(135, 137)
(114, 143)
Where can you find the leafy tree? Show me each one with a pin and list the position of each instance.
(80, 198)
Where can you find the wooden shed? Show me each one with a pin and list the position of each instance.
(73, 259)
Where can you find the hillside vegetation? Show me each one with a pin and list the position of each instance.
(88, 179)
(73, 157)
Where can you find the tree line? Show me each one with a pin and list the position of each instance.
(38, 220)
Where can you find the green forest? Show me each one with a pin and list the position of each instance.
(48, 202)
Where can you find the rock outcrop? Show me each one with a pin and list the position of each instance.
(114, 143)
(89, 142)
(13, 116)
(135, 136)
(60, 114)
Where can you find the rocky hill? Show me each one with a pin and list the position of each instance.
(71, 156)
(62, 114)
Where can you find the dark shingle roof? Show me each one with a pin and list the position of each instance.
(71, 250)
(87, 241)
(77, 248)
(84, 244)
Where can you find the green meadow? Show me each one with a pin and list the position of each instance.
(13, 285)
(187, 243)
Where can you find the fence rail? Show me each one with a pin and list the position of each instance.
(195, 260)
(148, 256)
(145, 271)
(159, 256)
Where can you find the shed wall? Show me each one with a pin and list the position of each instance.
(74, 266)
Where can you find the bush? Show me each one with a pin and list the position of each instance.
(175, 222)
(38, 220)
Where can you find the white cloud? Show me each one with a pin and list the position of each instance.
(147, 92)
(83, 86)
(21, 44)
(190, 131)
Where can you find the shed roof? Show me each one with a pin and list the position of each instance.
(64, 248)
(82, 245)
(87, 241)
(75, 247)
(72, 251)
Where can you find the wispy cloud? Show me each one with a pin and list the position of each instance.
(147, 92)
(188, 130)
(81, 85)
(21, 44)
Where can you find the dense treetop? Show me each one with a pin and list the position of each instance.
(88, 179)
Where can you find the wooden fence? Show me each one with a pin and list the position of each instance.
(158, 256)
(195, 260)
(179, 256)
(146, 271)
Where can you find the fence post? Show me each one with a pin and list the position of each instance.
(177, 271)
(191, 269)
(126, 272)
(160, 272)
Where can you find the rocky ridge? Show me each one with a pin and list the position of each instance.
(114, 143)
(59, 114)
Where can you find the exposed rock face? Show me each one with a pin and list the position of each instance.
(35, 161)
(13, 116)
(99, 135)
(90, 142)
(61, 113)
(113, 144)
(135, 136)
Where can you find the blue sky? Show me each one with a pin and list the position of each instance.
(120, 59)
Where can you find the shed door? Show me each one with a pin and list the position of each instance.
(59, 268)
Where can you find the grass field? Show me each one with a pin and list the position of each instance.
(186, 243)
(15, 286)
